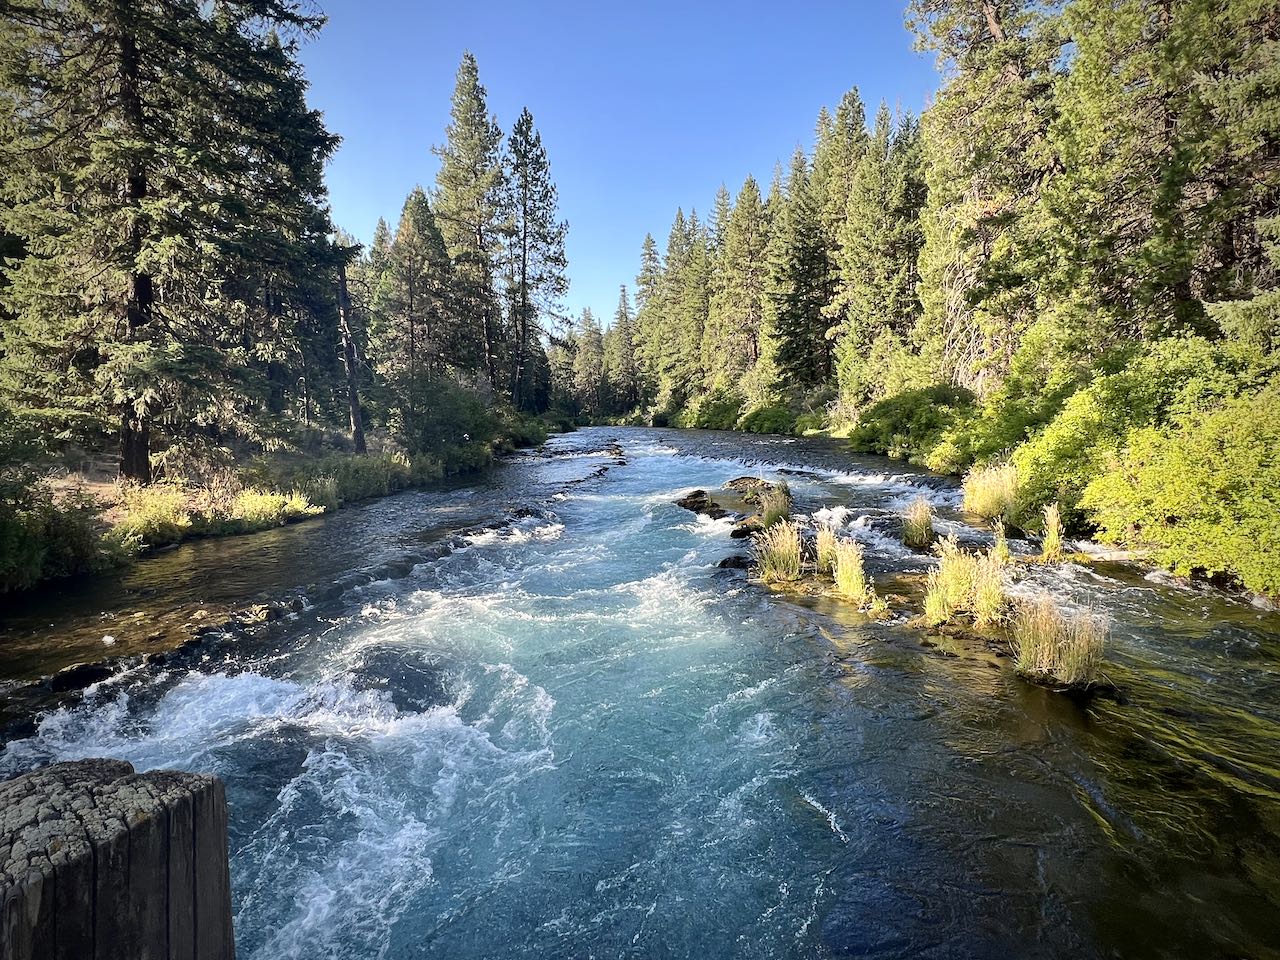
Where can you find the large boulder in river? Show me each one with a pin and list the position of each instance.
(750, 489)
(699, 501)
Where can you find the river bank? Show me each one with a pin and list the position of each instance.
(548, 674)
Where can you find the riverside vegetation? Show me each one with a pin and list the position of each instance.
(1067, 269)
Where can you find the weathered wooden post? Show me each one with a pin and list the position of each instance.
(100, 863)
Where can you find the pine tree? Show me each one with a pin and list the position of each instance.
(731, 346)
(620, 357)
(798, 282)
(414, 337)
(537, 248)
(469, 207)
(195, 159)
(986, 159)
(880, 242)
(588, 366)
(648, 319)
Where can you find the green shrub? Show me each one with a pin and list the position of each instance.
(261, 509)
(43, 537)
(777, 552)
(909, 425)
(773, 418)
(717, 410)
(1162, 380)
(1202, 494)
(156, 515)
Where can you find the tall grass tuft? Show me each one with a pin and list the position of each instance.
(775, 504)
(156, 514)
(917, 524)
(777, 552)
(988, 601)
(826, 549)
(991, 491)
(850, 574)
(1050, 644)
(1000, 550)
(965, 582)
(1051, 543)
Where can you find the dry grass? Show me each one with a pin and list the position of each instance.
(990, 492)
(1050, 644)
(775, 504)
(777, 552)
(826, 549)
(1051, 542)
(850, 574)
(917, 524)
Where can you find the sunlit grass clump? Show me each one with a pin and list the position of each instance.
(154, 514)
(1050, 644)
(965, 582)
(260, 509)
(990, 492)
(1000, 550)
(917, 524)
(850, 574)
(775, 504)
(1051, 542)
(826, 553)
(777, 552)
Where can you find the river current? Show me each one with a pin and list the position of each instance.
(533, 717)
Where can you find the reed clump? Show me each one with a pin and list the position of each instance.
(991, 491)
(1053, 645)
(965, 582)
(917, 524)
(1000, 550)
(851, 574)
(826, 550)
(775, 504)
(1051, 542)
(777, 551)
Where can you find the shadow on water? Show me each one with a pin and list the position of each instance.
(533, 717)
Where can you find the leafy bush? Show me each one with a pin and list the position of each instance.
(773, 418)
(43, 536)
(909, 425)
(1201, 493)
(717, 410)
(1165, 379)
(1052, 645)
(991, 492)
(156, 514)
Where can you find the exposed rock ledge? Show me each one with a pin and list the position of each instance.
(101, 863)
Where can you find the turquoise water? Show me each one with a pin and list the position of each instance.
(573, 735)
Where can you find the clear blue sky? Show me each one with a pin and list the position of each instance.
(643, 107)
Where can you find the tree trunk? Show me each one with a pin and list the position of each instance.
(135, 430)
(349, 360)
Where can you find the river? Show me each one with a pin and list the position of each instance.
(533, 717)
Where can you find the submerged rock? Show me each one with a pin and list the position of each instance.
(737, 562)
(700, 502)
(78, 677)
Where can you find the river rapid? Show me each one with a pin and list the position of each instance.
(533, 717)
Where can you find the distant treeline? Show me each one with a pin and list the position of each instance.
(1070, 260)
